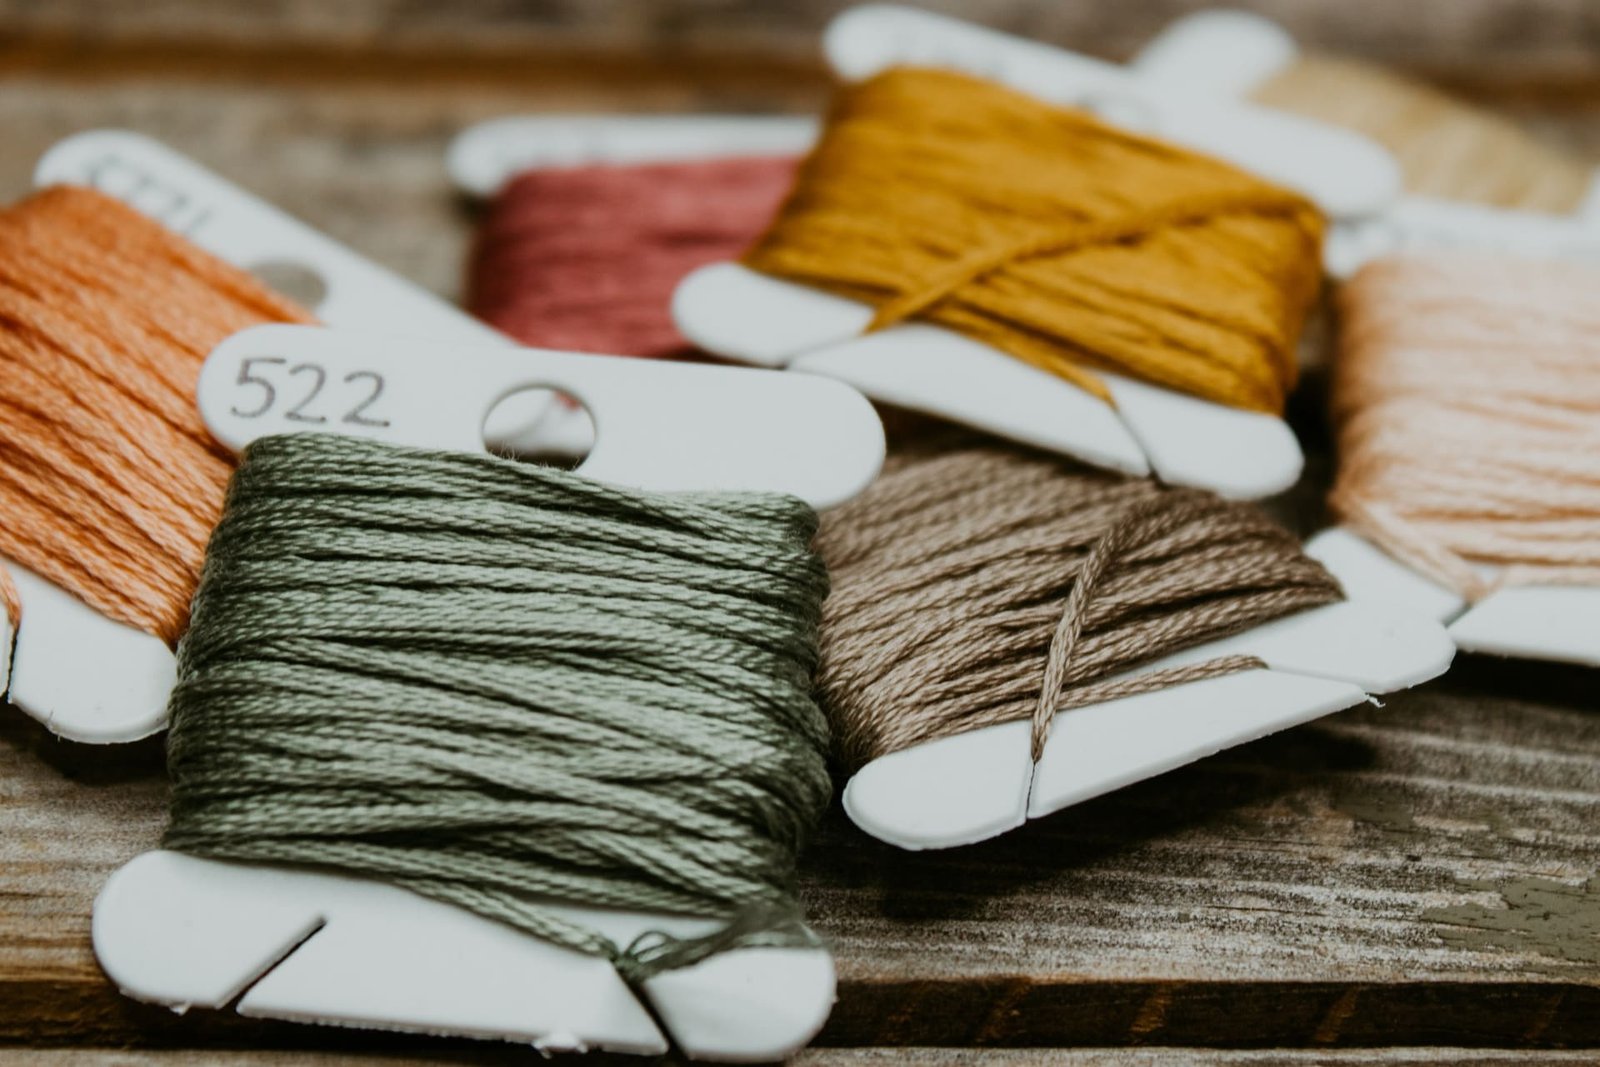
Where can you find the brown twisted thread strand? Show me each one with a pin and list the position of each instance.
(976, 584)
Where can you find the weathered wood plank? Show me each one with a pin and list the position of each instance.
(1419, 872)
(1554, 37)
(921, 1057)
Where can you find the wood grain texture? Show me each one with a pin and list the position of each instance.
(1556, 35)
(1423, 873)
(1543, 53)
(906, 1057)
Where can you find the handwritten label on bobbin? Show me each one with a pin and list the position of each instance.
(340, 286)
(660, 426)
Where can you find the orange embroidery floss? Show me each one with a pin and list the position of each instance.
(109, 482)
(1056, 238)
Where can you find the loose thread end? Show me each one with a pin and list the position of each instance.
(655, 952)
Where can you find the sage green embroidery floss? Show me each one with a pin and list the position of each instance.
(499, 685)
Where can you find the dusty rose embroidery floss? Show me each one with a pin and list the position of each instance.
(586, 258)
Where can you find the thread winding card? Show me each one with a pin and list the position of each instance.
(737, 313)
(293, 944)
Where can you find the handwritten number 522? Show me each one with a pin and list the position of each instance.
(317, 377)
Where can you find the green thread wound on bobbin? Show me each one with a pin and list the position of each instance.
(492, 683)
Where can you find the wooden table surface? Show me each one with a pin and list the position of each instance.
(1408, 883)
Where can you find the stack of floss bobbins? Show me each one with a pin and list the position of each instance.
(373, 619)
(126, 699)
(1075, 247)
(1019, 244)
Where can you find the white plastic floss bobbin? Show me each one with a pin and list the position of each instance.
(308, 947)
(660, 426)
(737, 313)
(124, 697)
(182, 931)
(252, 234)
(1225, 55)
(1220, 54)
(483, 157)
(1546, 622)
(969, 787)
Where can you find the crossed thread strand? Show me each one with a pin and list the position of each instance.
(976, 584)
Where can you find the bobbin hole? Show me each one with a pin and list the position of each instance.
(304, 285)
(543, 425)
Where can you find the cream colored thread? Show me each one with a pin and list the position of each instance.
(1445, 148)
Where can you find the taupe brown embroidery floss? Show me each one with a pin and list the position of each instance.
(976, 584)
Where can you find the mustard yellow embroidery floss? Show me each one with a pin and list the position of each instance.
(1063, 241)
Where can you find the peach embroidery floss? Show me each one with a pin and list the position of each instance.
(109, 482)
(1466, 395)
(1065, 242)
(586, 258)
